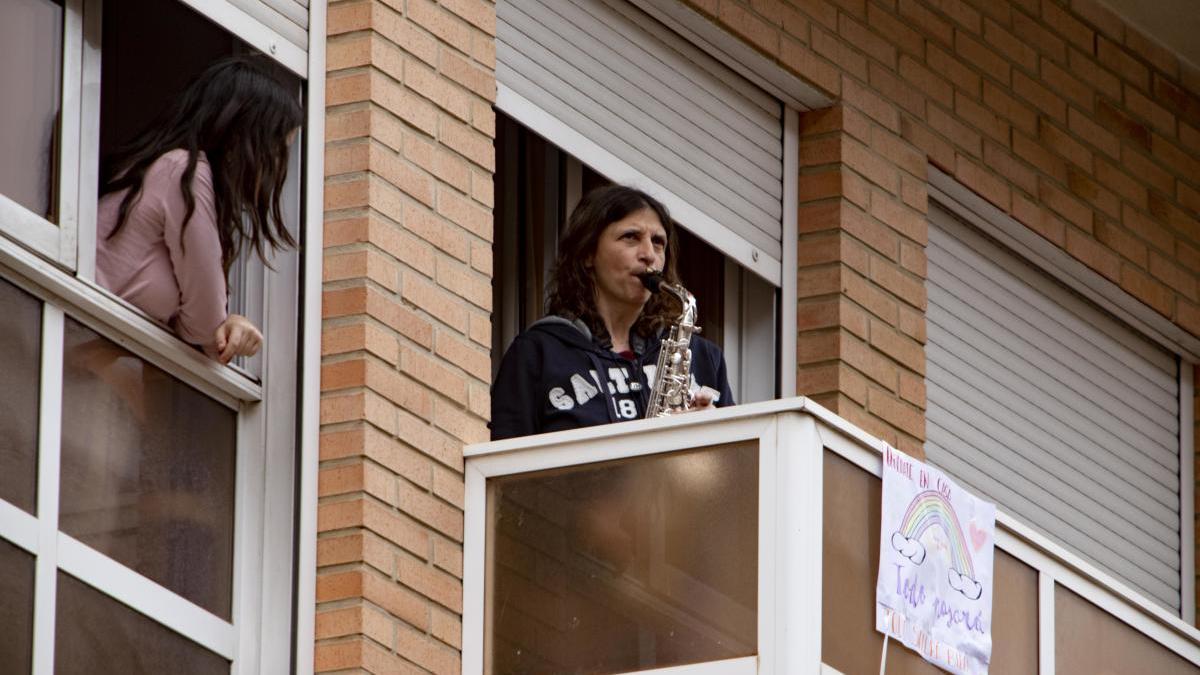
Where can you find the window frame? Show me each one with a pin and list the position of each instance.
(267, 520)
(1044, 255)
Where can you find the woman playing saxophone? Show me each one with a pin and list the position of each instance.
(592, 359)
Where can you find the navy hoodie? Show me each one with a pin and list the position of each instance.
(555, 376)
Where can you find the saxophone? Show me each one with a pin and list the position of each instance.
(672, 377)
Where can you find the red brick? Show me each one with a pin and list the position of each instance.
(874, 106)
(895, 412)
(983, 182)
(1180, 100)
(962, 136)
(1087, 189)
(745, 24)
(846, 58)
(899, 347)
(1167, 152)
(937, 149)
(1034, 33)
(1066, 25)
(1146, 289)
(982, 57)
(928, 82)
(1016, 171)
(1039, 219)
(1064, 144)
(928, 22)
(871, 166)
(1125, 65)
(961, 13)
(1121, 182)
(1066, 84)
(1146, 169)
(479, 13)
(1085, 68)
(1174, 276)
(866, 40)
(1122, 242)
(1153, 51)
(1042, 98)
(896, 30)
(1083, 127)
(1020, 115)
(1093, 254)
(806, 63)
(1120, 123)
(949, 65)
(884, 81)
(1101, 17)
(981, 118)
(1148, 228)
(1065, 205)
(1188, 197)
(1016, 49)
(896, 214)
(1158, 116)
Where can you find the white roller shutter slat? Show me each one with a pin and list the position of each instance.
(1130, 355)
(1041, 371)
(631, 146)
(1152, 586)
(289, 18)
(1045, 403)
(689, 144)
(672, 114)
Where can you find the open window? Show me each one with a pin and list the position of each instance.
(537, 187)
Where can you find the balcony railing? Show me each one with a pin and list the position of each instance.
(745, 540)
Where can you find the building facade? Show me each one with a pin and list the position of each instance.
(970, 229)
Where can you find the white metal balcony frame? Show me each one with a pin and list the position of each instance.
(793, 434)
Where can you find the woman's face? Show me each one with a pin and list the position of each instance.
(627, 248)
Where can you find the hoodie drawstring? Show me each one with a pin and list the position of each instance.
(602, 382)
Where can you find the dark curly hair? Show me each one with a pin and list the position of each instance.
(573, 285)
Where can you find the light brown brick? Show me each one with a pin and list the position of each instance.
(871, 166)
(746, 24)
(808, 64)
(900, 217)
(939, 151)
(1040, 97)
(1157, 116)
(1141, 286)
(1118, 180)
(1011, 168)
(900, 414)
(981, 118)
(1121, 242)
(1040, 220)
(876, 107)
(1146, 169)
(1066, 84)
(953, 68)
(1177, 278)
(1152, 50)
(982, 181)
(884, 81)
(899, 347)
(960, 135)
(982, 57)
(1103, 80)
(1063, 23)
(869, 42)
(896, 30)
(929, 23)
(847, 59)
(1065, 145)
(927, 81)
(1100, 16)
(1065, 205)
(1093, 254)
(1034, 33)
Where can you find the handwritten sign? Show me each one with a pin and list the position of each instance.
(934, 591)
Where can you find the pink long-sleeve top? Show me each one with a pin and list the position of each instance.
(172, 273)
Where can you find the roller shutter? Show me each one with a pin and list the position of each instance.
(289, 18)
(1053, 408)
(698, 133)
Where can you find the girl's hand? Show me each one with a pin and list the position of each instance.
(703, 399)
(236, 336)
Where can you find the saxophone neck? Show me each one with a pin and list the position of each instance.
(654, 282)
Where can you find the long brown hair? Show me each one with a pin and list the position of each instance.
(240, 117)
(573, 285)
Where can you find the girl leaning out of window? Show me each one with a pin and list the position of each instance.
(191, 192)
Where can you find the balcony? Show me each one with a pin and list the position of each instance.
(745, 540)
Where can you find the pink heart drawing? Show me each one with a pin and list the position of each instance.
(978, 537)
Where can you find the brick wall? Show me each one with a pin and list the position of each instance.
(1055, 111)
(1076, 124)
(406, 334)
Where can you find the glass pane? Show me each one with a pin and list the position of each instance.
(850, 564)
(147, 469)
(1089, 640)
(16, 609)
(20, 363)
(97, 635)
(31, 79)
(623, 566)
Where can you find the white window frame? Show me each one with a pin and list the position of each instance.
(61, 274)
(1049, 258)
(793, 435)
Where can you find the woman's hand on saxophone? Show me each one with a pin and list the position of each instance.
(703, 399)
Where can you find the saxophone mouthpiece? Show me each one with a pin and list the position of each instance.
(651, 279)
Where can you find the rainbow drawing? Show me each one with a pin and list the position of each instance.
(928, 509)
